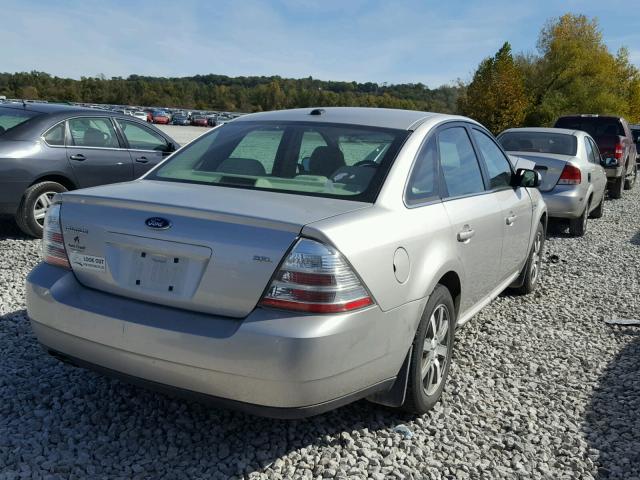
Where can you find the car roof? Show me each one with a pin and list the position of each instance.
(372, 117)
(45, 107)
(565, 131)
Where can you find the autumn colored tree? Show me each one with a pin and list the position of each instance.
(496, 96)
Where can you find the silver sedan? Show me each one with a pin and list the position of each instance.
(290, 262)
(573, 179)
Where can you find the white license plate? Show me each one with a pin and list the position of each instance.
(158, 273)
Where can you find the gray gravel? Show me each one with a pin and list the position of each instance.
(540, 387)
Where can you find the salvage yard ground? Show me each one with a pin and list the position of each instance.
(540, 387)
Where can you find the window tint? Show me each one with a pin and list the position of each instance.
(93, 132)
(268, 156)
(497, 164)
(587, 145)
(55, 135)
(12, 117)
(542, 142)
(423, 183)
(459, 163)
(261, 146)
(595, 151)
(594, 126)
(142, 138)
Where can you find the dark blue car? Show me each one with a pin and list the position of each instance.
(46, 149)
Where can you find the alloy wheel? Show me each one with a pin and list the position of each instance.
(536, 257)
(435, 351)
(41, 206)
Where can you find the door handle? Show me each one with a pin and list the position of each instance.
(511, 219)
(142, 160)
(466, 234)
(589, 177)
(78, 156)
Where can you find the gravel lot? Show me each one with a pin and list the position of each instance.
(183, 134)
(540, 387)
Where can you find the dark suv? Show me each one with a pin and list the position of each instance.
(46, 149)
(617, 147)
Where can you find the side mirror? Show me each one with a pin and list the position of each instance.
(527, 178)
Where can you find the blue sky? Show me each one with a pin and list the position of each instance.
(433, 42)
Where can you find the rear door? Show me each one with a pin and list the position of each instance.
(95, 153)
(474, 213)
(514, 202)
(146, 147)
(597, 173)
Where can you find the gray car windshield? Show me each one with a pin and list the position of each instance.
(541, 142)
(341, 161)
(12, 117)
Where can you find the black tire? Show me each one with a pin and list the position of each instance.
(631, 181)
(616, 187)
(417, 399)
(25, 216)
(599, 210)
(578, 226)
(533, 267)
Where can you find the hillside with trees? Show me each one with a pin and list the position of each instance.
(219, 92)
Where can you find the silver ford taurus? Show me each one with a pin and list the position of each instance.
(290, 262)
(573, 181)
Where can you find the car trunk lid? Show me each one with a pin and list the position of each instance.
(198, 247)
(549, 166)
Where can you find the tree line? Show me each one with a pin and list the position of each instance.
(571, 72)
(219, 92)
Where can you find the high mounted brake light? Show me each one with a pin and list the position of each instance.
(316, 278)
(53, 251)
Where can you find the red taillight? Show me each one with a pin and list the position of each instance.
(316, 278)
(570, 175)
(619, 151)
(53, 251)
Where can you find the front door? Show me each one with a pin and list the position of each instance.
(147, 148)
(95, 153)
(515, 204)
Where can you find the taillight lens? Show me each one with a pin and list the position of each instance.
(316, 278)
(570, 175)
(619, 151)
(53, 251)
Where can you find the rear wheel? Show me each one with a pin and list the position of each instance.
(578, 226)
(34, 205)
(599, 210)
(615, 189)
(431, 353)
(630, 181)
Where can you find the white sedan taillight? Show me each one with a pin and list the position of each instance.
(53, 251)
(316, 278)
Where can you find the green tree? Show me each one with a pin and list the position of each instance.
(496, 96)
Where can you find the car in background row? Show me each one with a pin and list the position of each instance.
(46, 149)
(179, 119)
(239, 279)
(616, 145)
(160, 117)
(212, 120)
(199, 121)
(573, 180)
(140, 115)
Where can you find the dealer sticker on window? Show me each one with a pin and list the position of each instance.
(87, 262)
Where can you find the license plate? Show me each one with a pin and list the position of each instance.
(158, 273)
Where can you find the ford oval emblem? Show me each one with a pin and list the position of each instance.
(158, 223)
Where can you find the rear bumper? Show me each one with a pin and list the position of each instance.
(565, 202)
(271, 363)
(614, 172)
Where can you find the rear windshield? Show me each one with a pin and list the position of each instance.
(12, 117)
(558, 143)
(594, 126)
(636, 134)
(328, 160)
